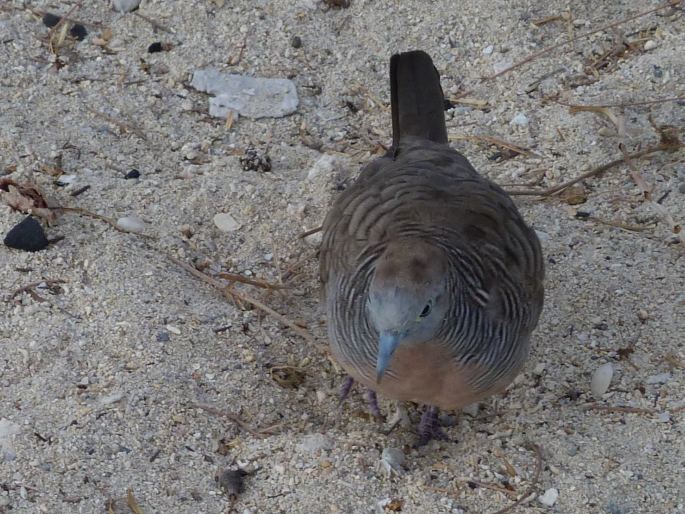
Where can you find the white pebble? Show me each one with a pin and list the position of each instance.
(601, 379)
(315, 442)
(520, 119)
(392, 460)
(661, 378)
(315, 239)
(125, 5)
(664, 417)
(471, 410)
(650, 45)
(131, 224)
(550, 497)
(65, 180)
(488, 50)
(225, 222)
(173, 329)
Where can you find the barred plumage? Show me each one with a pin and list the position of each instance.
(421, 232)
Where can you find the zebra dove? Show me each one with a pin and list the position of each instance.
(432, 280)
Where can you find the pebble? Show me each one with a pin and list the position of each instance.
(174, 330)
(471, 410)
(131, 224)
(550, 497)
(7, 428)
(27, 235)
(392, 460)
(232, 481)
(314, 240)
(125, 5)
(134, 173)
(601, 379)
(488, 50)
(664, 417)
(681, 188)
(225, 222)
(163, 337)
(650, 45)
(520, 119)
(253, 97)
(65, 180)
(660, 378)
(296, 41)
(316, 442)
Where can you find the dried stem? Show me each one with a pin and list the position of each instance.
(671, 3)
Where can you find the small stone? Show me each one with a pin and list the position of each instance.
(520, 120)
(392, 461)
(65, 180)
(253, 97)
(27, 235)
(661, 378)
(50, 20)
(657, 71)
(131, 224)
(78, 32)
(488, 50)
(296, 42)
(155, 47)
(110, 399)
(225, 222)
(650, 44)
(134, 173)
(601, 379)
(550, 497)
(173, 330)
(125, 5)
(471, 409)
(232, 482)
(681, 188)
(163, 337)
(316, 442)
(314, 240)
(664, 417)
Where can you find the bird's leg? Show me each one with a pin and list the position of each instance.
(429, 428)
(372, 400)
(345, 389)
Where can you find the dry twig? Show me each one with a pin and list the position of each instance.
(533, 483)
(670, 3)
(264, 432)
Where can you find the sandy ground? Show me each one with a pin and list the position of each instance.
(101, 373)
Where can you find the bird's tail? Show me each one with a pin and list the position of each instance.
(418, 105)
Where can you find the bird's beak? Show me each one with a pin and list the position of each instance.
(386, 347)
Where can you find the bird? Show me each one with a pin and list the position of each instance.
(432, 281)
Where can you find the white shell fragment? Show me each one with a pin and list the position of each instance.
(225, 222)
(131, 224)
(253, 97)
(601, 379)
(550, 497)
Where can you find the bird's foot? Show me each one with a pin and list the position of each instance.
(345, 389)
(429, 428)
(372, 401)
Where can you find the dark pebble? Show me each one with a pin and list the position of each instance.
(232, 481)
(296, 41)
(50, 20)
(27, 235)
(134, 173)
(658, 71)
(154, 48)
(78, 31)
(163, 337)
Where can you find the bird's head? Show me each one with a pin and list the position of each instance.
(407, 302)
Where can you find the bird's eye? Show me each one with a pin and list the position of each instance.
(426, 311)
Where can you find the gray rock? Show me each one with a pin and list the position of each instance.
(125, 5)
(315, 442)
(254, 97)
(660, 378)
(601, 379)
